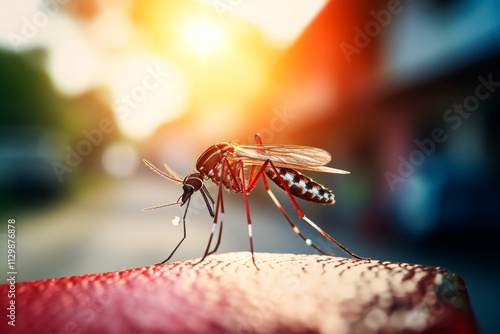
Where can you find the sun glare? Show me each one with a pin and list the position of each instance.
(204, 37)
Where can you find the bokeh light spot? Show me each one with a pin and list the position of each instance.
(205, 37)
(120, 159)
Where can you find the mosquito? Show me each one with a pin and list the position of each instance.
(225, 165)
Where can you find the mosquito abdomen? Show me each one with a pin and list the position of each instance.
(301, 186)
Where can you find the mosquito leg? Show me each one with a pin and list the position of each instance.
(209, 201)
(239, 168)
(294, 227)
(219, 237)
(221, 201)
(184, 237)
(220, 204)
(256, 141)
(219, 198)
(233, 176)
(277, 203)
(242, 175)
(216, 218)
(252, 181)
(303, 216)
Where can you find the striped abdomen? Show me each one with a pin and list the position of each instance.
(301, 186)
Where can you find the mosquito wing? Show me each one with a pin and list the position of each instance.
(288, 156)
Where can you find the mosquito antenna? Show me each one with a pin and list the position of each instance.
(177, 178)
(172, 172)
(160, 206)
(164, 205)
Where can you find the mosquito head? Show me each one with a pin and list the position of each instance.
(192, 183)
(188, 191)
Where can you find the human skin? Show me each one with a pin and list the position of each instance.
(227, 294)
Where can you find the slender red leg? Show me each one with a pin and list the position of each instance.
(219, 205)
(233, 176)
(220, 235)
(219, 198)
(252, 183)
(258, 141)
(242, 176)
(294, 227)
(220, 228)
(303, 216)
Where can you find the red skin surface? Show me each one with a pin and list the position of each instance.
(227, 294)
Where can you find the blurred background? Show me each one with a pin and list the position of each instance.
(404, 94)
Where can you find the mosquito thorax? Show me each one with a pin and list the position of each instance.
(210, 160)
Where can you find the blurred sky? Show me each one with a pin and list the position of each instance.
(404, 94)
